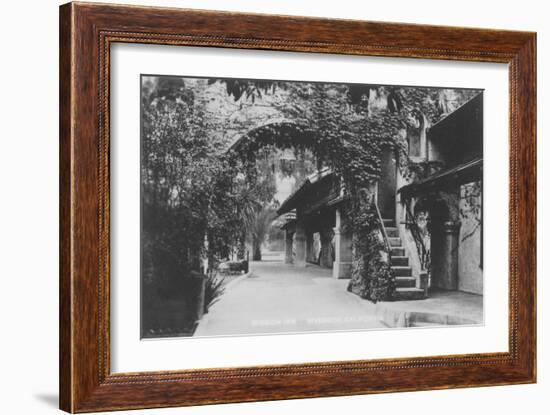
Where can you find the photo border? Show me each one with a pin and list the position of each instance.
(86, 33)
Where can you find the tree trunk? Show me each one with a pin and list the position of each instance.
(256, 250)
(241, 247)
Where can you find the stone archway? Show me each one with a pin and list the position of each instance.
(267, 141)
(335, 244)
(281, 133)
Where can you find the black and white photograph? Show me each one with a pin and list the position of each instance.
(273, 207)
(262, 207)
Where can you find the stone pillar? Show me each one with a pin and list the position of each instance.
(205, 264)
(300, 244)
(445, 269)
(288, 246)
(199, 286)
(424, 282)
(310, 254)
(342, 249)
(326, 248)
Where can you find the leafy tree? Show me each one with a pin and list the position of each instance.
(190, 189)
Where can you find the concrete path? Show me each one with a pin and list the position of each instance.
(441, 308)
(279, 298)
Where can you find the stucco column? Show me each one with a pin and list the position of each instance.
(447, 277)
(326, 249)
(300, 244)
(342, 249)
(288, 246)
(310, 255)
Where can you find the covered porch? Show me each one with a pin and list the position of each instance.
(315, 225)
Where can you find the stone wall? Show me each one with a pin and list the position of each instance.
(470, 271)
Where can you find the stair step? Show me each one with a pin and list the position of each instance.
(402, 261)
(397, 251)
(395, 241)
(405, 282)
(393, 232)
(388, 222)
(405, 294)
(400, 271)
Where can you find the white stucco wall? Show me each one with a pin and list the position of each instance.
(470, 273)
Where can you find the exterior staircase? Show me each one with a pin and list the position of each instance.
(406, 285)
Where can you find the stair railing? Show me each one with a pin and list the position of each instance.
(383, 231)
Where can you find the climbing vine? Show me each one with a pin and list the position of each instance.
(470, 207)
(323, 119)
(371, 276)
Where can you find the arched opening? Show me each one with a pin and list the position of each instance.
(437, 229)
(309, 205)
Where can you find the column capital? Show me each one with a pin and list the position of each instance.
(452, 227)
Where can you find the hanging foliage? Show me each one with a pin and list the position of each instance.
(322, 119)
(371, 276)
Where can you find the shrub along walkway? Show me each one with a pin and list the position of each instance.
(280, 298)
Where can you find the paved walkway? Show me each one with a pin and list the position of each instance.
(441, 308)
(280, 298)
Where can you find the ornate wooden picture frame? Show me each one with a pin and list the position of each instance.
(87, 32)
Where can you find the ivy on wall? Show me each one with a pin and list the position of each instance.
(323, 119)
(371, 276)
